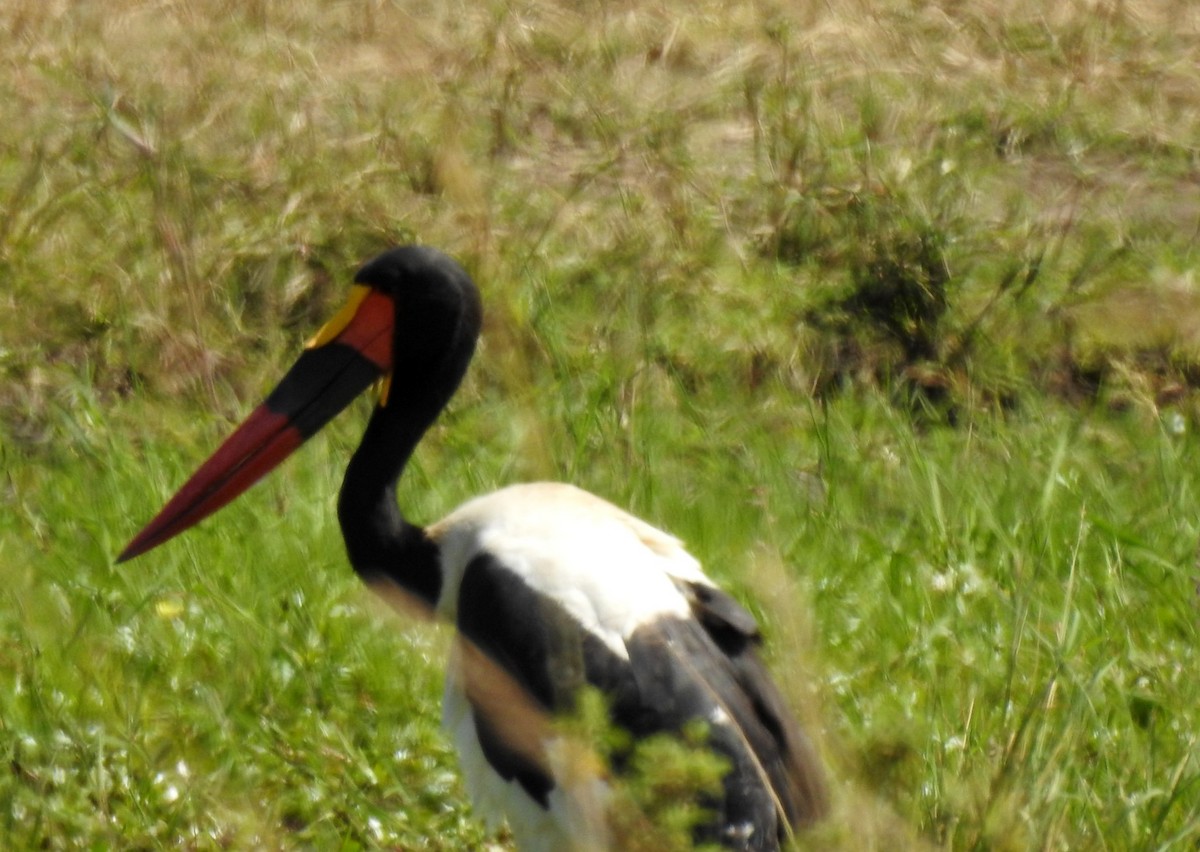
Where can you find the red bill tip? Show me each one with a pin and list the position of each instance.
(264, 440)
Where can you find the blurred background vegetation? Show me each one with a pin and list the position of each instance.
(889, 309)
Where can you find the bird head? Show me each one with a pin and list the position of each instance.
(409, 325)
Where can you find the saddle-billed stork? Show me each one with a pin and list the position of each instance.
(550, 588)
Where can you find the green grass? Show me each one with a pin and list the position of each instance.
(887, 309)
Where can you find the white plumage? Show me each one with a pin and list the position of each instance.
(610, 570)
(575, 566)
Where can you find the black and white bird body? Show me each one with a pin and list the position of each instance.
(550, 588)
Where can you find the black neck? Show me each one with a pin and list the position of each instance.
(437, 323)
(381, 544)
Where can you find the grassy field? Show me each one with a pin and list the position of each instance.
(888, 309)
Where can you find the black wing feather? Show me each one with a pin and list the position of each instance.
(677, 670)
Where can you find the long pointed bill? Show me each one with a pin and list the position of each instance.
(346, 356)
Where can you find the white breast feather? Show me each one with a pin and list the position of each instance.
(574, 820)
(609, 569)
